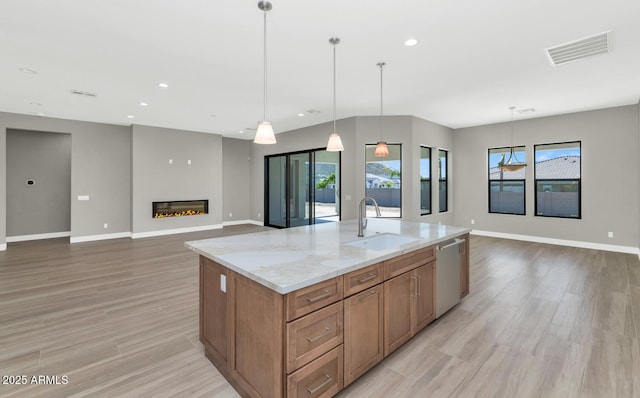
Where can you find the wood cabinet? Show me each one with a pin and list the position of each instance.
(214, 331)
(398, 294)
(314, 341)
(409, 305)
(363, 332)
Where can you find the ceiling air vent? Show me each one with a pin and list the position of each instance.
(586, 47)
(84, 93)
(527, 110)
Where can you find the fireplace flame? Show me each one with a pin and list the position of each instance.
(179, 214)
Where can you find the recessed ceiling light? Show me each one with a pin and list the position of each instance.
(143, 104)
(163, 85)
(241, 131)
(130, 116)
(300, 114)
(410, 42)
(28, 71)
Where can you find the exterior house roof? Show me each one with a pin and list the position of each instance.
(560, 167)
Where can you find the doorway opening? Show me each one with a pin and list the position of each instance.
(302, 188)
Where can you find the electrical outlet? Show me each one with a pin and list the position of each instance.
(610, 235)
(473, 222)
(223, 283)
(106, 225)
(258, 215)
(170, 161)
(230, 214)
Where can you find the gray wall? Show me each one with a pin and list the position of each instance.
(100, 168)
(356, 132)
(609, 175)
(236, 177)
(154, 179)
(45, 206)
(302, 139)
(435, 136)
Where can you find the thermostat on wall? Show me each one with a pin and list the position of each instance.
(30, 183)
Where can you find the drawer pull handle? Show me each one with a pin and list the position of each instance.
(312, 339)
(314, 390)
(368, 278)
(371, 294)
(320, 297)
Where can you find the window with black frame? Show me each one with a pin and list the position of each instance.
(558, 179)
(425, 180)
(383, 181)
(443, 179)
(506, 187)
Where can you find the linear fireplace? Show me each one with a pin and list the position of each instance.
(180, 208)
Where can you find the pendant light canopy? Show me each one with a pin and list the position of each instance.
(264, 132)
(512, 164)
(335, 143)
(381, 147)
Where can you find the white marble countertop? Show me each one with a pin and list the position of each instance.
(289, 259)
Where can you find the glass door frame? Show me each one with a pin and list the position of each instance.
(311, 188)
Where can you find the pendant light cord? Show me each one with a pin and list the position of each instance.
(265, 64)
(381, 64)
(334, 86)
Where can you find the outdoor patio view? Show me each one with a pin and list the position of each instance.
(383, 182)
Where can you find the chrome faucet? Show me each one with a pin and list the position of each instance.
(362, 215)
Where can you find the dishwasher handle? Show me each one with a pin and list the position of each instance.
(456, 242)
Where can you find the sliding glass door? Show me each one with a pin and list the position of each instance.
(302, 188)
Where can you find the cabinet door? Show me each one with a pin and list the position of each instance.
(398, 294)
(214, 323)
(424, 296)
(363, 332)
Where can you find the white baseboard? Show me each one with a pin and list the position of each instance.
(3, 247)
(23, 238)
(91, 238)
(163, 232)
(254, 222)
(560, 242)
(240, 222)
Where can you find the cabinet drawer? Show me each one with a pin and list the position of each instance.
(321, 378)
(313, 335)
(308, 299)
(408, 261)
(361, 279)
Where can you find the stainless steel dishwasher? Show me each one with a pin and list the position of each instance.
(448, 275)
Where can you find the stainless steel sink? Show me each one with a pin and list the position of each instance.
(384, 241)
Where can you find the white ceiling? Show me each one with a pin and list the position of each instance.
(473, 61)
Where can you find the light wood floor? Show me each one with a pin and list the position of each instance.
(120, 318)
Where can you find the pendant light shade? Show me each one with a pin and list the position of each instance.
(381, 148)
(264, 132)
(512, 163)
(335, 143)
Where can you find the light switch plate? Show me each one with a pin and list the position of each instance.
(83, 197)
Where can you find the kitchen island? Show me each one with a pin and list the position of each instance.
(305, 311)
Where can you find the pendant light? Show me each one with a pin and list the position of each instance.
(264, 132)
(381, 147)
(512, 164)
(335, 143)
